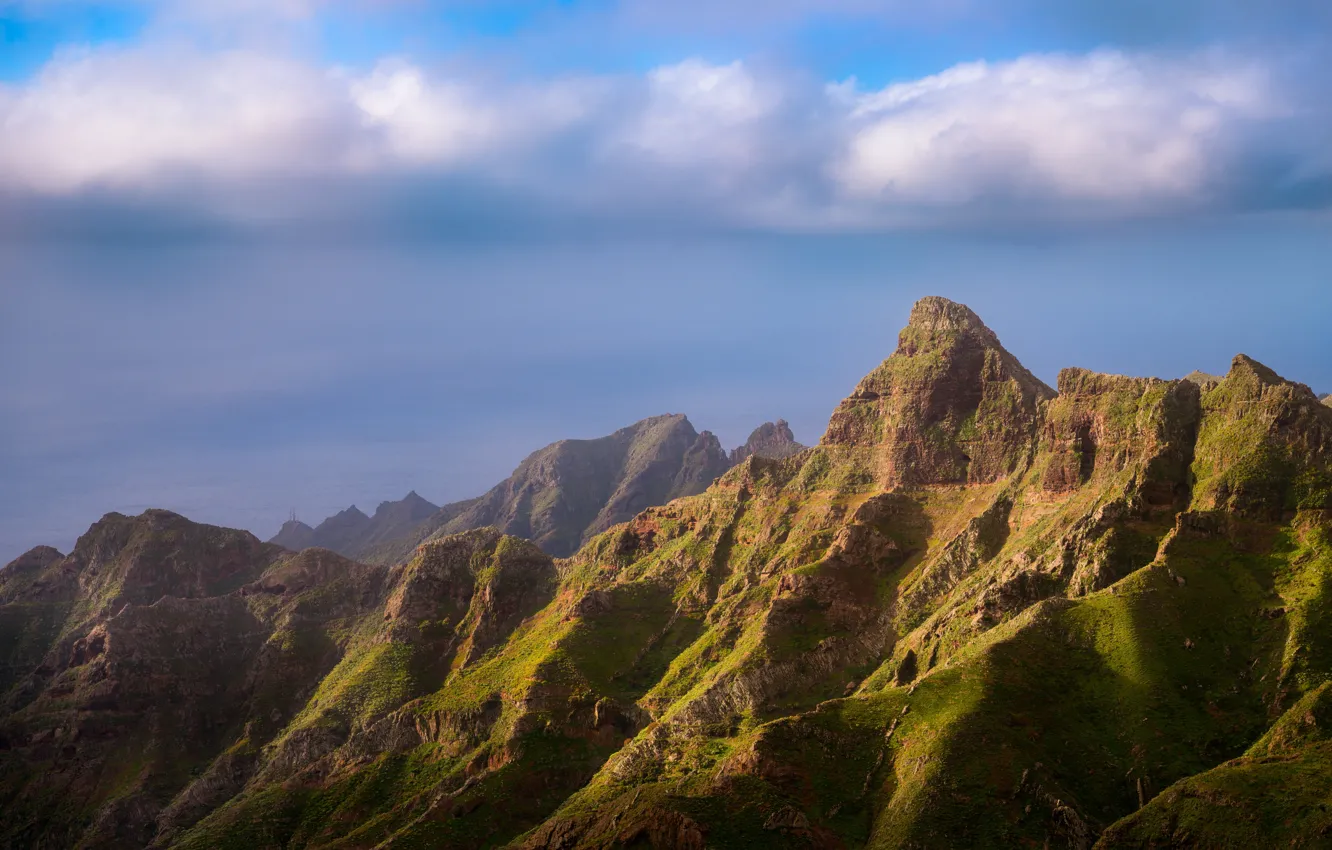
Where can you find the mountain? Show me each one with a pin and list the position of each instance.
(352, 533)
(559, 496)
(294, 535)
(771, 439)
(572, 490)
(981, 612)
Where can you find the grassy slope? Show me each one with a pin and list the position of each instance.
(1006, 647)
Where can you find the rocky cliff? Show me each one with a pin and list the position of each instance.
(982, 612)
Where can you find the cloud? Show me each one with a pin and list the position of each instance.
(256, 136)
(697, 113)
(1108, 127)
(123, 117)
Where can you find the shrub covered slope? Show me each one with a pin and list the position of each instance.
(982, 612)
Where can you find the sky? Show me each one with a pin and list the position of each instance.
(264, 256)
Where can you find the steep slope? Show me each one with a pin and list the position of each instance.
(220, 662)
(980, 613)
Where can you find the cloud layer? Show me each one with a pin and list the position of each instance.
(1104, 133)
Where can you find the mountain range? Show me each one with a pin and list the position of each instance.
(559, 497)
(981, 612)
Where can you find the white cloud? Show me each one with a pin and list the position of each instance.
(125, 117)
(699, 113)
(122, 117)
(1106, 127)
(1108, 131)
(428, 121)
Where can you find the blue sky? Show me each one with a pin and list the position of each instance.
(262, 256)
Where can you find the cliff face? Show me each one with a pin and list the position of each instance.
(950, 406)
(981, 613)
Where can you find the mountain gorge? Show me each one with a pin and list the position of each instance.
(559, 496)
(981, 612)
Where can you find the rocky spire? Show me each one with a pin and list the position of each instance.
(771, 439)
(951, 405)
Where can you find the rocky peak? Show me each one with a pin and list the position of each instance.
(1204, 380)
(141, 559)
(349, 516)
(1245, 369)
(37, 558)
(408, 508)
(937, 321)
(294, 535)
(771, 439)
(342, 531)
(1265, 445)
(26, 575)
(951, 405)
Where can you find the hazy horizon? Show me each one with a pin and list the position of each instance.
(264, 257)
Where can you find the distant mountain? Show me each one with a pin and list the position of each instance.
(352, 533)
(771, 440)
(558, 497)
(1327, 399)
(295, 535)
(574, 489)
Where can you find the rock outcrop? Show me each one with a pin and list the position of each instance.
(951, 406)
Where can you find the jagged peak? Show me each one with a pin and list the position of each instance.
(771, 439)
(115, 529)
(935, 314)
(1244, 366)
(37, 557)
(922, 405)
(1243, 363)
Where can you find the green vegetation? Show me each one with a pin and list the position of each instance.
(978, 614)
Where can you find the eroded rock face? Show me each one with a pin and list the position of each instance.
(950, 406)
(1263, 445)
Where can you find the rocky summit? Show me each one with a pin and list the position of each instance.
(981, 612)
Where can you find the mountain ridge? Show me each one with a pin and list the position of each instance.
(649, 462)
(981, 612)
